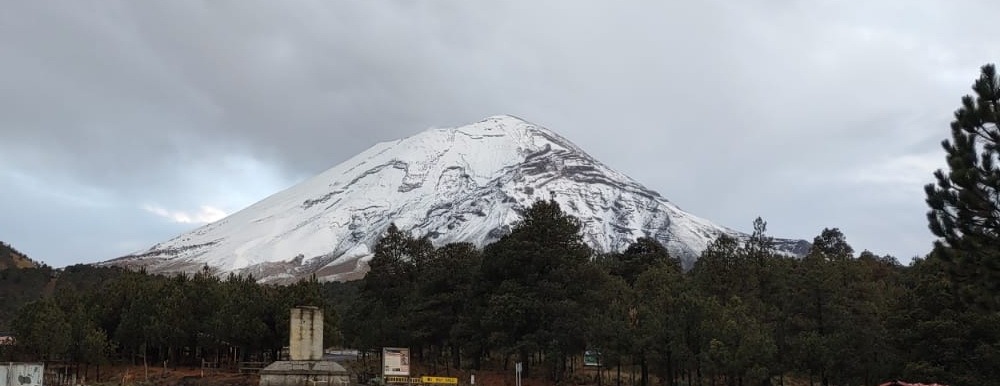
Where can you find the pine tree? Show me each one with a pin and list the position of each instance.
(965, 202)
(640, 256)
(832, 245)
(537, 280)
(759, 247)
(42, 329)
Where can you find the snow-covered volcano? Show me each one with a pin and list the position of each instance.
(469, 183)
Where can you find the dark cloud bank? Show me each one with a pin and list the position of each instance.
(124, 123)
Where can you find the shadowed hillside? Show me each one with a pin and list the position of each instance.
(21, 281)
(12, 258)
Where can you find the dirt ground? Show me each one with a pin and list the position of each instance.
(157, 376)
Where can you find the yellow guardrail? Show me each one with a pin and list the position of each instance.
(421, 380)
(439, 380)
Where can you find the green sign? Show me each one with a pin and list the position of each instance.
(591, 358)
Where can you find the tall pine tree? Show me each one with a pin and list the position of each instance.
(538, 284)
(965, 202)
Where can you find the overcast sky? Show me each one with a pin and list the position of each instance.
(125, 123)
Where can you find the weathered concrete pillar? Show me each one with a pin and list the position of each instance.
(305, 338)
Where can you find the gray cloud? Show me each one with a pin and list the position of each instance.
(810, 114)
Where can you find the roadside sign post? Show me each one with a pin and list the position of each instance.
(518, 369)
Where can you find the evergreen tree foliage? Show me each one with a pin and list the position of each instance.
(743, 315)
(43, 331)
(640, 256)
(659, 319)
(721, 271)
(611, 330)
(741, 347)
(441, 295)
(632, 326)
(940, 338)
(19, 287)
(965, 201)
(953, 296)
(759, 247)
(831, 244)
(390, 294)
(538, 282)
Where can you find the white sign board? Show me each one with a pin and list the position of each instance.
(21, 374)
(395, 361)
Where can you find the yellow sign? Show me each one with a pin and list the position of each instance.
(439, 380)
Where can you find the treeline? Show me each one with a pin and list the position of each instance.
(19, 286)
(21, 280)
(744, 315)
(99, 315)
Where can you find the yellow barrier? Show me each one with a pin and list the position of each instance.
(439, 380)
(423, 380)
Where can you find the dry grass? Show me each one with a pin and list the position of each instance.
(16, 260)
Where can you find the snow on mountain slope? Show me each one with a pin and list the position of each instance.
(458, 184)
